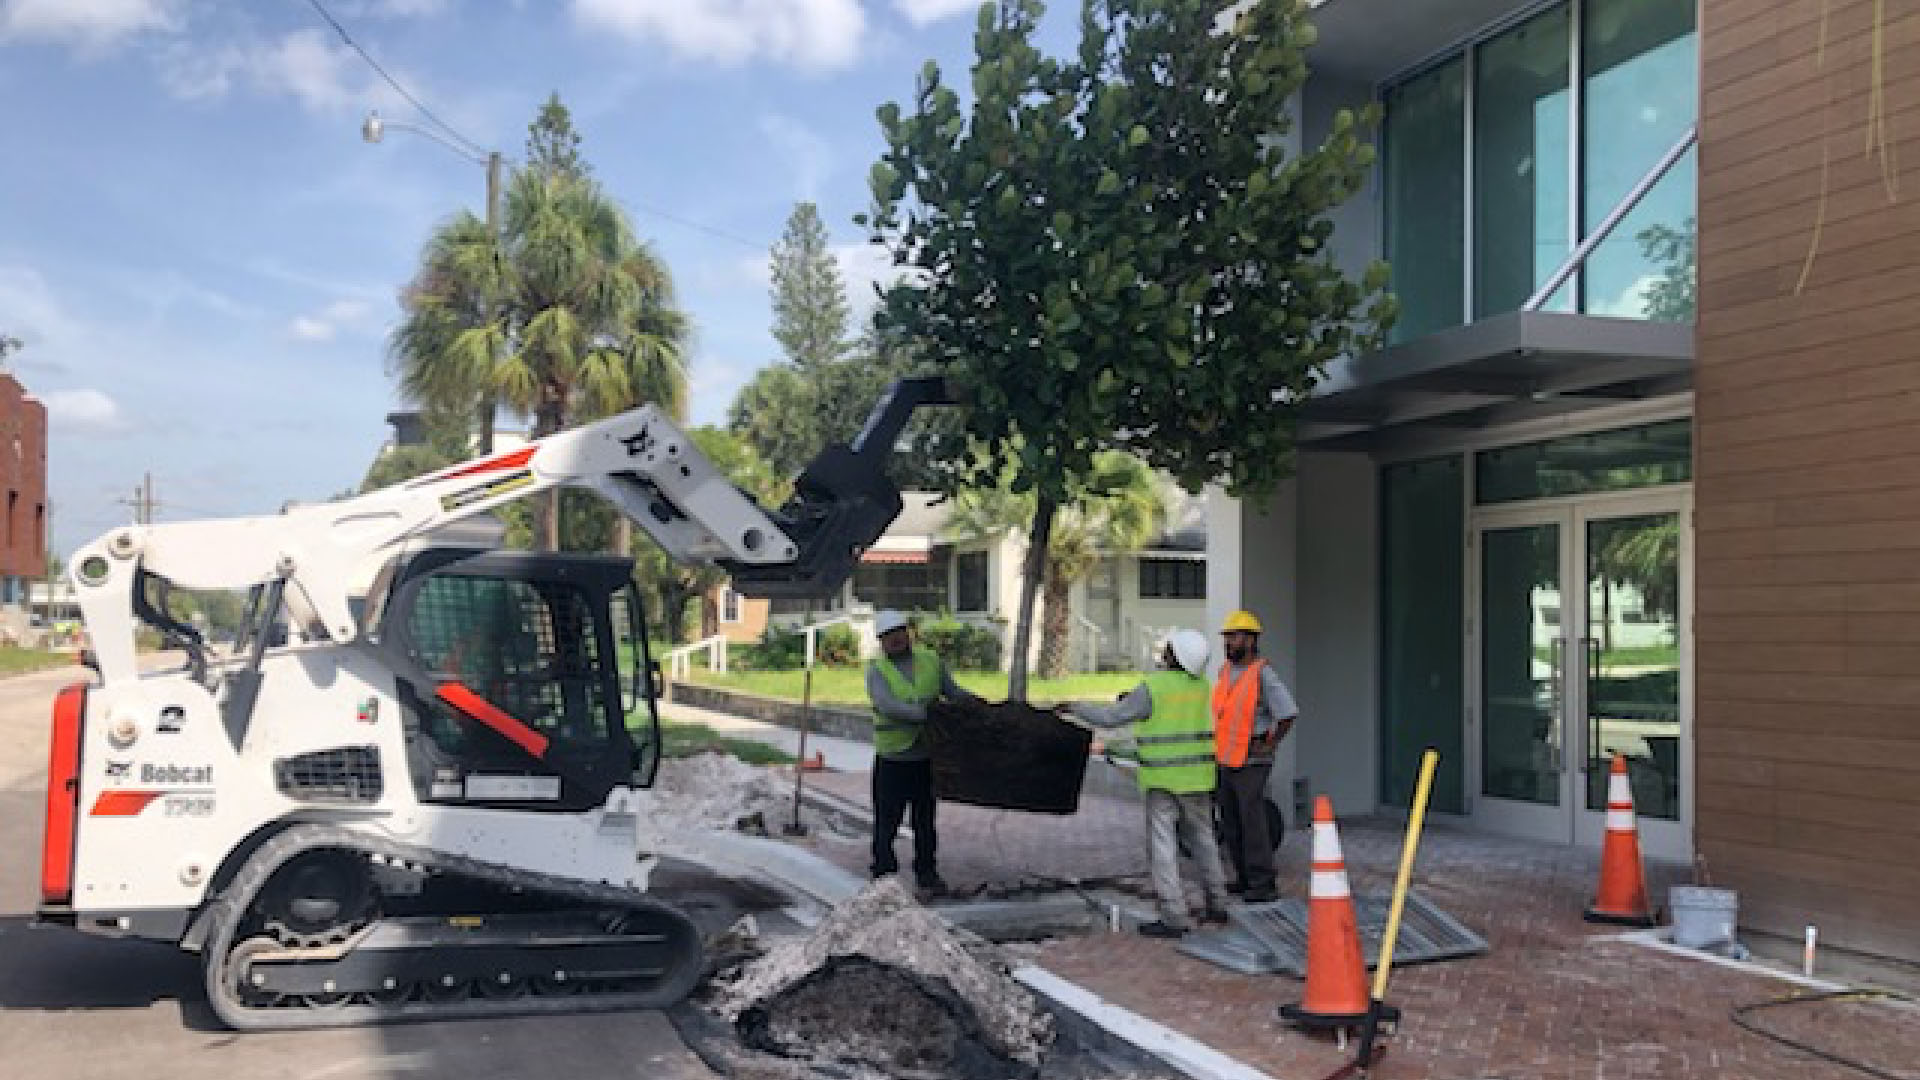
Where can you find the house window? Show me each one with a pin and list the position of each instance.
(970, 581)
(729, 605)
(920, 586)
(1173, 579)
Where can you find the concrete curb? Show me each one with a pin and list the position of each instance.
(1191, 1057)
(1657, 939)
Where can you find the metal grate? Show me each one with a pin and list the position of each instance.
(1426, 932)
(348, 774)
(1231, 948)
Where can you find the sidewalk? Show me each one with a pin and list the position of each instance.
(1555, 997)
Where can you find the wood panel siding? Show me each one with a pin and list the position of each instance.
(1807, 488)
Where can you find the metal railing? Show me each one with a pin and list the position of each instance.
(812, 630)
(1090, 636)
(1607, 224)
(680, 660)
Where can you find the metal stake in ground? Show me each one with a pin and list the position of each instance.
(1428, 762)
(796, 827)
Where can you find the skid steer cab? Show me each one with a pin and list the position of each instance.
(408, 788)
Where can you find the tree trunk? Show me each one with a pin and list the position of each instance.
(673, 613)
(622, 535)
(1036, 564)
(484, 442)
(1054, 629)
(709, 614)
(547, 537)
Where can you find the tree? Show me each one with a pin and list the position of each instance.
(1116, 510)
(1116, 251)
(1675, 251)
(8, 346)
(671, 585)
(553, 146)
(565, 315)
(809, 301)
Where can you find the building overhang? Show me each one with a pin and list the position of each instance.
(1371, 41)
(1502, 370)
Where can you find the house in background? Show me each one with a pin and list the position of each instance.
(1119, 615)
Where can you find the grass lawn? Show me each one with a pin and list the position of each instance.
(847, 686)
(685, 740)
(1628, 656)
(17, 661)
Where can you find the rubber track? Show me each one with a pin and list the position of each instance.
(229, 908)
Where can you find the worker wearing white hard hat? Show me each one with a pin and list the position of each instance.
(901, 682)
(1173, 728)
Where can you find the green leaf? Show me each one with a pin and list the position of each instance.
(1109, 183)
(1138, 136)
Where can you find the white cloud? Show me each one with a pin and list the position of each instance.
(88, 24)
(809, 155)
(817, 35)
(922, 12)
(86, 410)
(862, 266)
(319, 74)
(392, 9)
(351, 314)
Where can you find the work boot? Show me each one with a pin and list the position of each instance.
(1215, 916)
(931, 884)
(1236, 887)
(1160, 929)
(1265, 894)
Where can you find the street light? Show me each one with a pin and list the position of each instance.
(374, 128)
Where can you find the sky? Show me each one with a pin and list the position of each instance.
(202, 256)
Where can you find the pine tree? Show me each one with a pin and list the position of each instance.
(553, 146)
(809, 301)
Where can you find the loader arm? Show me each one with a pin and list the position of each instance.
(640, 461)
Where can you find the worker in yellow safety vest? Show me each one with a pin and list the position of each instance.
(1252, 712)
(1173, 729)
(901, 683)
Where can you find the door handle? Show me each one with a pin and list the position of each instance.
(1557, 696)
(1590, 667)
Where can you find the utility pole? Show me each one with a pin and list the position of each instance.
(143, 502)
(487, 401)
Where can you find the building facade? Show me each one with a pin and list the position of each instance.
(23, 472)
(1578, 505)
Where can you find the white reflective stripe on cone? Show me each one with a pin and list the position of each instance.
(1620, 820)
(1329, 885)
(1618, 790)
(1326, 842)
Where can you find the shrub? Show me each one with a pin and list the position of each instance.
(778, 650)
(963, 647)
(839, 646)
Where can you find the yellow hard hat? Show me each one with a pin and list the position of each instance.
(1241, 621)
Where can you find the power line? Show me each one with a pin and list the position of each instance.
(722, 234)
(471, 146)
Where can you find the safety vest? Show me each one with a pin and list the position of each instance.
(1235, 700)
(892, 736)
(1176, 742)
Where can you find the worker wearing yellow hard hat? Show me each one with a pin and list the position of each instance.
(1252, 711)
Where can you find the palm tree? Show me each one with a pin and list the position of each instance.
(1115, 512)
(565, 316)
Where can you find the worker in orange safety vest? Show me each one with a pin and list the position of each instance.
(1252, 712)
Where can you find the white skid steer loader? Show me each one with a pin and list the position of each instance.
(407, 790)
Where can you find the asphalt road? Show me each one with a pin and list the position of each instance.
(77, 1007)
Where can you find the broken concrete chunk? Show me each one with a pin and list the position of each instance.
(883, 982)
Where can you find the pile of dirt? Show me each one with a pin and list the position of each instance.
(1009, 756)
(716, 791)
(883, 984)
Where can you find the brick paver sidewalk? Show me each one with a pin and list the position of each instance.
(1555, 997)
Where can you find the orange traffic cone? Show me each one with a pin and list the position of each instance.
(1336, 992)
(1623, 885)
(816, 763)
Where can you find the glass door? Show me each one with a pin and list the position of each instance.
(1579, 650)
(1519, 654)
(1630, 663)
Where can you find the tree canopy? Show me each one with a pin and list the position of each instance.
(1126, 248)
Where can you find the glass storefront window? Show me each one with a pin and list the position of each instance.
(1426, 192)
(1422, 596)
(1521, 103)
(1636, 69)
(1617, 460)
(1639, 94)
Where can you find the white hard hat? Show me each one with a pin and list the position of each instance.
(888, 621)
(1190, 648)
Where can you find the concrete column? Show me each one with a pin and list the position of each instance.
(1251, 564)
